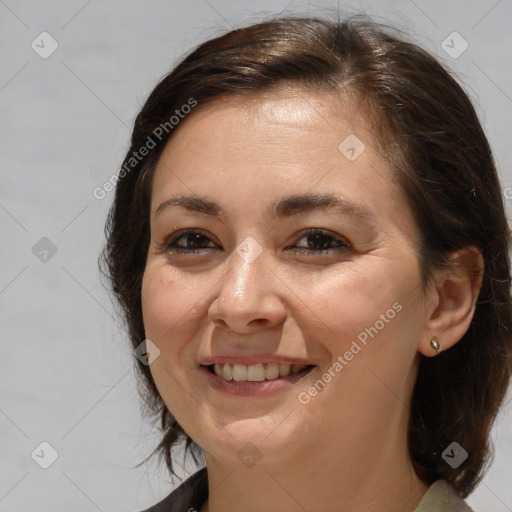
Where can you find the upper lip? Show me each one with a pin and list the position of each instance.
(254, 359)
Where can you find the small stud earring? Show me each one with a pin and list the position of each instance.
(435, 344)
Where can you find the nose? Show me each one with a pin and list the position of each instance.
(248, 299)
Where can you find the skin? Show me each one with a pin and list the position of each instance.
(348, 444)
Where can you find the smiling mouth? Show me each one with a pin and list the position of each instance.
(256, 372)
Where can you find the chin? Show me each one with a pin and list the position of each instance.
(262, 440)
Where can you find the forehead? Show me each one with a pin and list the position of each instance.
(261, 146)
(277, 110)
(282, 127)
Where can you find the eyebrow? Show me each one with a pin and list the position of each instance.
(284, 207)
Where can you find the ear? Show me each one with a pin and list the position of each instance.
(452, 299)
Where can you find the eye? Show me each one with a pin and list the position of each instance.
(313, 241)
(189, 242)
(318, 241)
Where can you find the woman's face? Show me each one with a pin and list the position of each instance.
(283, 257)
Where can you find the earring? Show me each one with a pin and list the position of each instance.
(435, 344)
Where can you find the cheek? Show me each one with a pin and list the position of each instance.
(380, 323)
(344, 303)
(157, 307)
(170, 315)
(369, 319)
(168, 305)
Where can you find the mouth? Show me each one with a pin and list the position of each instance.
(254, 379)
(255, 372)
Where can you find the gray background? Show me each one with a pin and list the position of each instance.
(66, 375)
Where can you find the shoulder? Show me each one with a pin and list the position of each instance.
(441, 497)
(187, 497)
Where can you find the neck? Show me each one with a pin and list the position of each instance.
(369, 476)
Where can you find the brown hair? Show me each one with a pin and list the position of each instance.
(429, 132)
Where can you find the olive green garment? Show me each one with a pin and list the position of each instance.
(441, 497)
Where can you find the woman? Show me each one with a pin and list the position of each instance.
(309, 242)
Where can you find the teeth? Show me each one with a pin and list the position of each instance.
(255, 372)
(239, 372)
(284, 370)
(272, 371)
(219, 370)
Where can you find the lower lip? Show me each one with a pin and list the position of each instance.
(254, 388)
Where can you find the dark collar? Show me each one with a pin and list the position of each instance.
(191, 494)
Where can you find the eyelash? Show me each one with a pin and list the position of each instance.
(171, 244)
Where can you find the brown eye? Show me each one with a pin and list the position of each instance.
(319, 240)
(189, 242)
